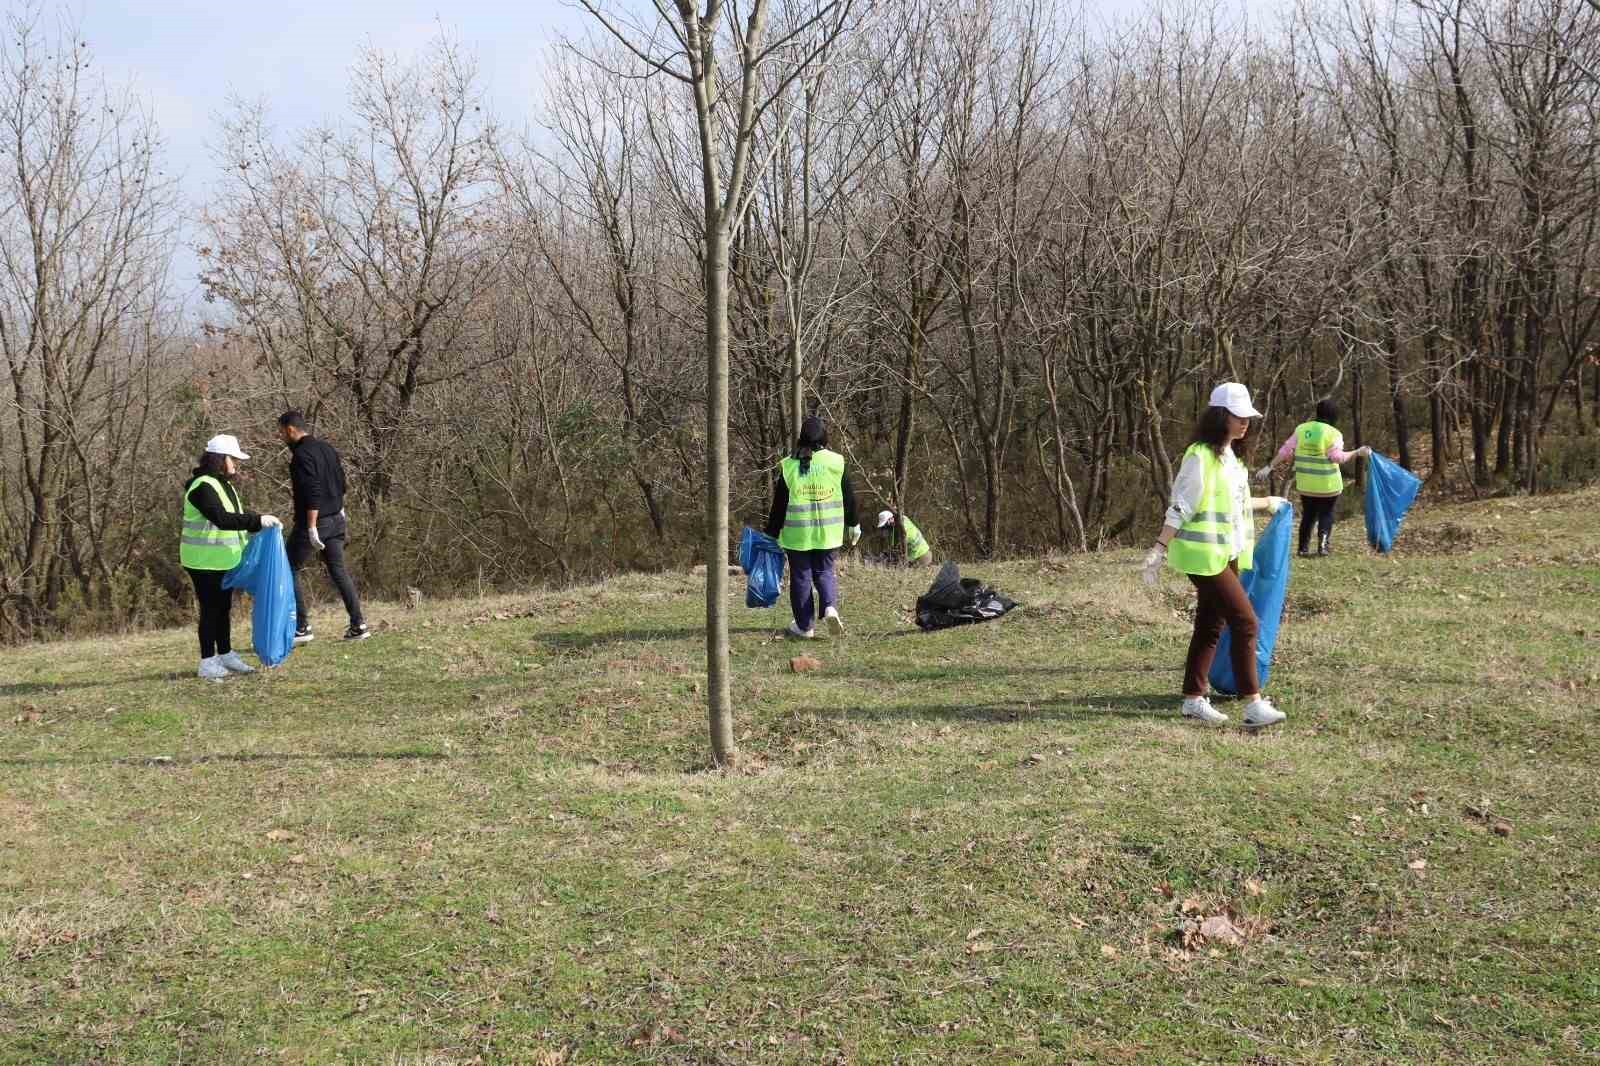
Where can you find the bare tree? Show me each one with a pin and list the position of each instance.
(728, 115)
(86, 228)
(351, 260)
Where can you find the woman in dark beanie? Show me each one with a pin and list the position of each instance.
(212, 543)
(813, 512)
(1318, 451)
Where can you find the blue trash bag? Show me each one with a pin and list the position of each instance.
(1390, 490)
(761, 559)
(1266, 583)
(264, 573)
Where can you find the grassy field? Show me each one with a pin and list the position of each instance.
(489, 834)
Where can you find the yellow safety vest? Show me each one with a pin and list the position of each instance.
(916, 544)
(1202, 545)
(203, 546)
(1314, 473)
(815, 518)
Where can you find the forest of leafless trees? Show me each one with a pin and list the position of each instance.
(1004, 251)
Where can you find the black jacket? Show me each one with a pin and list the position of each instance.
(317, 477)
(780, 505)
(208, 503)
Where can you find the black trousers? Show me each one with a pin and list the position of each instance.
(216, 612)
(333, 531)
(1316, 511)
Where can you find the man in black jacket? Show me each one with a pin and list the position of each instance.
(320, 528)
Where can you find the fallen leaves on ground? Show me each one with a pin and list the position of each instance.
(1202, 926)
(802, 664)
(655, 1033)
(1219, 929)
(281, 836)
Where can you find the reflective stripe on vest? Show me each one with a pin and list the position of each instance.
(203, 546)
(1203, 545)
(814, 519)
(1314, 473)
(916, 543)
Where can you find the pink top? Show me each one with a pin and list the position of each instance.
(1336, 453)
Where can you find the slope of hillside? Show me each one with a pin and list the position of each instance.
(488, 834)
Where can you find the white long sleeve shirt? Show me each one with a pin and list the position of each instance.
(1188, 486)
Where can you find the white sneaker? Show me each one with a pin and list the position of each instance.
(212, 669)
(1261, 713)
(1201, 708)
(835, 623)
(235, 665)
(797, 633)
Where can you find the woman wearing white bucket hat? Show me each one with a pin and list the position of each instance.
(1209, 535)
(212, 543)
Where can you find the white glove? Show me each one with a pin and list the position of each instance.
(855, 536)
(315, 538)
(270, 521)
(1152, 564)
(1264, 473)
(1365, 451)
(1276, 504)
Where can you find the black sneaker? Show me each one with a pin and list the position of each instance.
(304, 636)
(359, 631)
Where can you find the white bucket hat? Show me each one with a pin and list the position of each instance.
(1236, 398)
(885, 518)
(225, 444)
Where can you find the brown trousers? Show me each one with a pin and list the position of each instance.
(1222, 602)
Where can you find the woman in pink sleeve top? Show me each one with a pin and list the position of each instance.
(1318, 452)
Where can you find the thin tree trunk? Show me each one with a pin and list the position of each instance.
(719, 697)
(797, 385)
(1397, 403)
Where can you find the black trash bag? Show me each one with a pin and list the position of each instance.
(957, 601)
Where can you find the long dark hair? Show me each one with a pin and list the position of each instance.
(211, 465)
(813, 438)
(1211, 429)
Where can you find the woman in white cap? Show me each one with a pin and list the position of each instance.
(1210, 536)
(916, 549)
(212, 543)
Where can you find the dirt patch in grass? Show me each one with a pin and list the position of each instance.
(1445, 538)
(1311, 604)
(16, 819)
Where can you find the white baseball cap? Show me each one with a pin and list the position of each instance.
(885, 518)
(225, 444)
(1236, 398)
